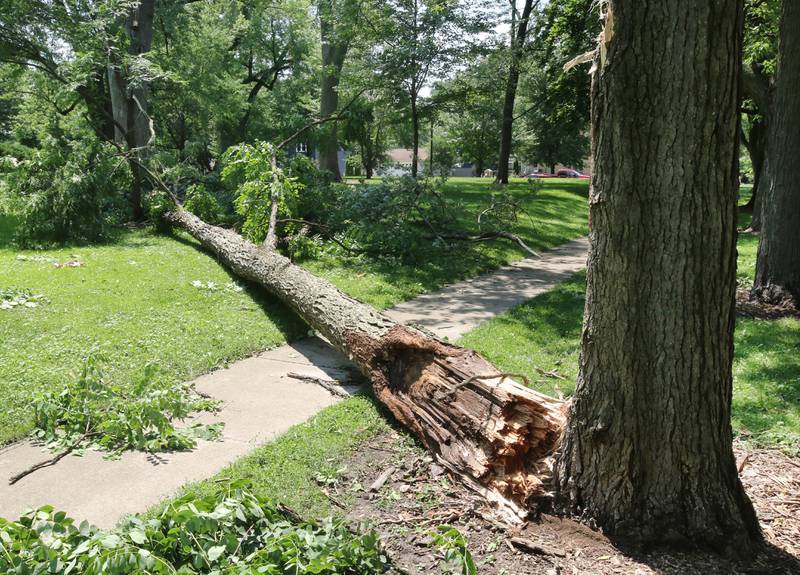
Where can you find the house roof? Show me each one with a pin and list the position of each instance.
(404, 155)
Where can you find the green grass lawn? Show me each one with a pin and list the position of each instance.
(134, 301)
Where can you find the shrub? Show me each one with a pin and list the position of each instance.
(67, 192)
(203, 204)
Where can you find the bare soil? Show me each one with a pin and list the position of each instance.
(418, 496)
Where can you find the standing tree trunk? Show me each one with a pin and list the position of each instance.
(129, 102)
(334, 51)
(518, 38)
(647, 452)
(415, 135)
(778, 264)
(485, 428)
(757, 148)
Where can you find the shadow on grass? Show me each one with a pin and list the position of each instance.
(289, 324)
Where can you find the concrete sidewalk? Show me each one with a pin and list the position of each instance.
(260, 402)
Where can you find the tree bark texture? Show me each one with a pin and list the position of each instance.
(507, 131)
(415, 135)
(492, 432)
(778, 264)
(647, 452)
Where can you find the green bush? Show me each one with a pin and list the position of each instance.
(68, 191)
(232, 533)
(203, 204)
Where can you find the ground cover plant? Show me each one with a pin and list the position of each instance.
(234, 532)
(148, 298)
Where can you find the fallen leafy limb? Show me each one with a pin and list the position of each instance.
(92, 413)
(231, 533)
(490, 431)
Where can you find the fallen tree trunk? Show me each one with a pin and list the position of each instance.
(492, 432)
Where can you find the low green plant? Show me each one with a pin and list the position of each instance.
(91, 412)
(11, 298)
(453, 545)
(231, 533)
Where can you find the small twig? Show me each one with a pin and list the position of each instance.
(333, 500)
(532, 547)
(332, 386)
(552, 373)
(744, 462)
(490, 236)
(290, 514)
(382, 479)
(53, 460)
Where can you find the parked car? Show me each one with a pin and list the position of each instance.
(570, 173)
(538, 175)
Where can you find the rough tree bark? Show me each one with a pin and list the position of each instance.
(647, 452)
(518, 37)
(489, 430)
(778, 264)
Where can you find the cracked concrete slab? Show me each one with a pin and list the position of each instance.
(260, 402)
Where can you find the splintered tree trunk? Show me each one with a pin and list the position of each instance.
(778, 264)
(647, 451)
(489, 430)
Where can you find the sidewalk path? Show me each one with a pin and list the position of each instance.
(260, 402)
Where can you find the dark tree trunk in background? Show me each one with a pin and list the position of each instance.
(130, 102)
(488, 430)
(756, 88)
(647, 452)
(415, 136)
(334, 51)
(778, 264)
(757, 148)
(518, 38)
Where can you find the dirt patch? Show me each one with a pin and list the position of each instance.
(395, 487)
(747, 306)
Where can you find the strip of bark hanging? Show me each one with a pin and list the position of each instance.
(493, 433)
